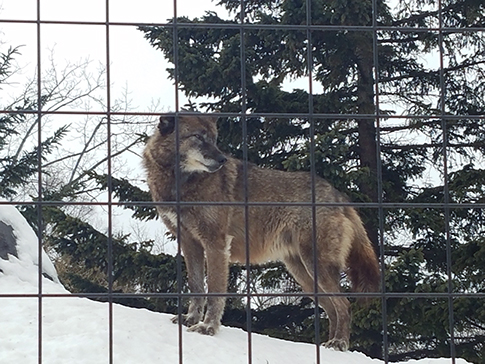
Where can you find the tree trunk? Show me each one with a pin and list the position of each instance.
(367, 129)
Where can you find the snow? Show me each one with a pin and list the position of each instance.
(76, 330)
(27, 248)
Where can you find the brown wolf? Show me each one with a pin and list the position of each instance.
(275, 231)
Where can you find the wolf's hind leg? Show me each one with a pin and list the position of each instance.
(296, 267)
(336, 307)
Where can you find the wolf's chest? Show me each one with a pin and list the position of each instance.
(169, 218)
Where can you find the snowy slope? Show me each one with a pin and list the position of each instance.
(76, 330)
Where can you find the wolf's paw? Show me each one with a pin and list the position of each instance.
(204, 329)
(337, 344)
(187, 320)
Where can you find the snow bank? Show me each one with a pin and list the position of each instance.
(76, 330)
(19, 253)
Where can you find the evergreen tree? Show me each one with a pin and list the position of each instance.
(83, 262)
(430, 123)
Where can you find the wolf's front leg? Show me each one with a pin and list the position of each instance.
(217, 276)
(194, 261)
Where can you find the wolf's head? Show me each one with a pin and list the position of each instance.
(197, 135)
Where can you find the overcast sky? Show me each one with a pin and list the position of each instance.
(135, 64)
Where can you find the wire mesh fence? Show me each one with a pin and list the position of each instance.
(383, 99)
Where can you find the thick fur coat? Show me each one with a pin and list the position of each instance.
(213, 235)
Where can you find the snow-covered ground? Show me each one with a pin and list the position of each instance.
(76, 330)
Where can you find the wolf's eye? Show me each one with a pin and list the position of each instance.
(198, 136)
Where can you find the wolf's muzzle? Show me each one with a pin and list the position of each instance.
(217, 164)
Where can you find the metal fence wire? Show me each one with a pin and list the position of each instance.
(386, 214)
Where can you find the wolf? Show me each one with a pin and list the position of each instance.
(226, 203)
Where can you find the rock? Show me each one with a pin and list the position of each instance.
(19, 247)
(8, 244)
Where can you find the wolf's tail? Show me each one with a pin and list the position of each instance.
(363, 267)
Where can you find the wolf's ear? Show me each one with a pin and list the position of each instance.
(166, 125)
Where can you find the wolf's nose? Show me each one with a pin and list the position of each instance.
(222, 159)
